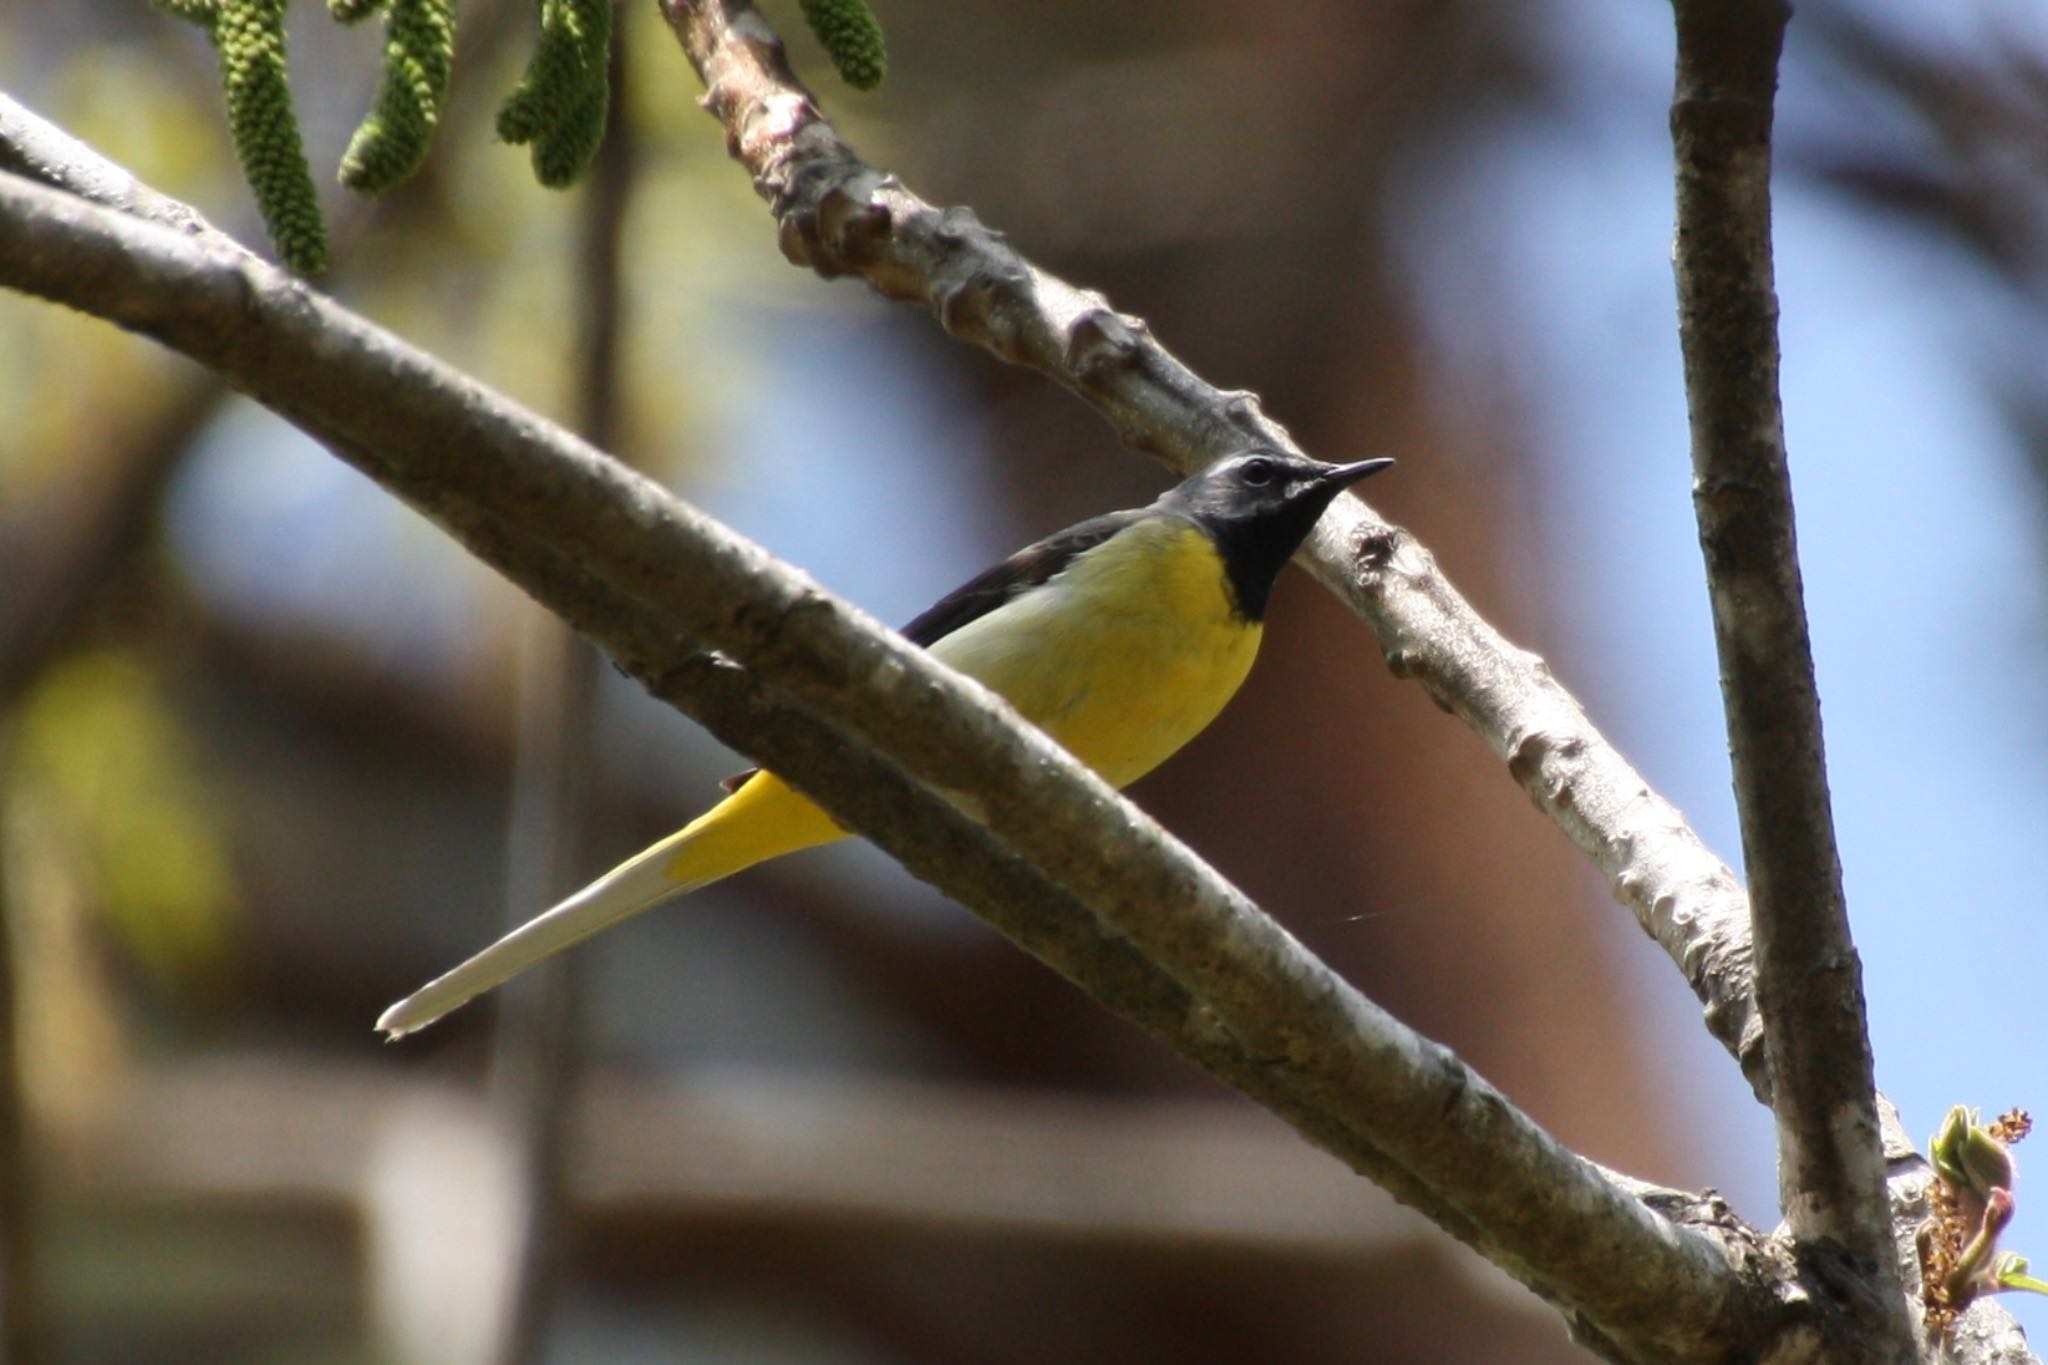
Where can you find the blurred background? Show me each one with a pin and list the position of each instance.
(272, 751)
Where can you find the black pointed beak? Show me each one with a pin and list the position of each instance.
(1344, 475)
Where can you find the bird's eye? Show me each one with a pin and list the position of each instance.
(1256, 472)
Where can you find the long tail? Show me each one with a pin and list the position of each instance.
(763, 819)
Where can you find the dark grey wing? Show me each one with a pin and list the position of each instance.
(1026, 569)
(982, 594)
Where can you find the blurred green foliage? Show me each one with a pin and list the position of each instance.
(102, 753)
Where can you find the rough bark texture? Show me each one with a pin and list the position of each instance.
(1831, 1174)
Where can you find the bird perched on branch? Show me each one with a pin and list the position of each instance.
(1121, 637)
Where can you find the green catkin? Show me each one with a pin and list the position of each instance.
(560, 102)
(419, 53)
(249, 36)
(550, 82)
(851, 37)
(562, 151)
(559, 106)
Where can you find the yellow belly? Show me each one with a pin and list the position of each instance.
(1125, 656)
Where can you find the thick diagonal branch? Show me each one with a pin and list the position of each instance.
(1831, 1172)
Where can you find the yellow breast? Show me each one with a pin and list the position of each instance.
(1123, 657)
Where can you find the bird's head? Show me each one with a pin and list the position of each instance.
(1267, 486)
(1259, 507)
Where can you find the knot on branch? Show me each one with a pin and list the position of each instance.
(1536, 765)
(852, 225)
(1103, 342)
(800, 202)
(1374, 546)
(973, 308)
(775, 632)
(678, 669)
(1243, 410)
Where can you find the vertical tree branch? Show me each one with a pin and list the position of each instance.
(538, 1043)
(1809, 982)
(535, 1049)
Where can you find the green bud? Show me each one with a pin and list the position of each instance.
(1966, 1155)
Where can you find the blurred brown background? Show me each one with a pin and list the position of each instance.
(266, 733)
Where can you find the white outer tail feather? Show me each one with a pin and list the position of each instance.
(640, 883)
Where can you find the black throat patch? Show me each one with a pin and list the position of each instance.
(1255, 549)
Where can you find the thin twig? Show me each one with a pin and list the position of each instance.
(592, 537)
(1831, 1171)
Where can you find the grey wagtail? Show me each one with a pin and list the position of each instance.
(1121, 637)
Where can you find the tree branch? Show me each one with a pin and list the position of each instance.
(628, 564)
(537, 1046)
(32, 146)
(1831, 1171)
(840, 216)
